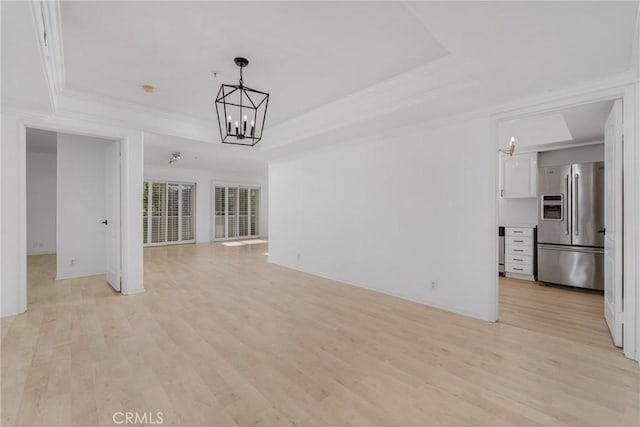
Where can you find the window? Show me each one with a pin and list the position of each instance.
(168, 213)
(235, 211)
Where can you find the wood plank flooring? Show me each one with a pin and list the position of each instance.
(223, 338)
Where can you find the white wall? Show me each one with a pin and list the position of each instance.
(525, 211)
(41, 203)
(81, 206)
(567, 156)
(13, 264)
(394, 215)
(203, 180)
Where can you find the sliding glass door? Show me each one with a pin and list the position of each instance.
(168, 213)
(235, 211)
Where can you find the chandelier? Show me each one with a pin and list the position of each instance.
(241, 111)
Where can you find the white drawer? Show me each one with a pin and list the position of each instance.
(520, 232)
(518, 259)
(518, 268)
(518, 250)
(518, 241)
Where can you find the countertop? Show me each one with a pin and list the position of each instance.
(519, 225)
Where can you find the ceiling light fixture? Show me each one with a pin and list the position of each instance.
(241, 111)
(149, 88)
(512, 147)
(175, 157)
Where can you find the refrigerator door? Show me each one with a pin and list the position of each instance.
(588, 204)
(572, 266)
(554, 205)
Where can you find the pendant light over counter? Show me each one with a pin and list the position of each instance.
(241, 111)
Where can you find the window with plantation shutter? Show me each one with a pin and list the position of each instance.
(235, 211)
(186, 204)
(168, 213)
(232, 212)
(158, 222)
(253, 214)
(243, 212)
(220, 227)
(173, 209)
(145, 211)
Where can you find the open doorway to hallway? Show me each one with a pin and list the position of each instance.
(560, 215)
(72, 210)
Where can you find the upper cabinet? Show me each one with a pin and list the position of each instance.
(518, 175)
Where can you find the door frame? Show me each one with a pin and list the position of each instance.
(629, 92)
(131, 165)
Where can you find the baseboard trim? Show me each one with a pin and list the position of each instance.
(404, 297)
(77, 276)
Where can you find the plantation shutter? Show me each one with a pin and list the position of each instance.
(253, 203)
(187, 211)
(243, 229)
(168, 213)
(158, 211)
(173, 204)
(232, 212)
(220, 225)
(145, 212)
(235, 211)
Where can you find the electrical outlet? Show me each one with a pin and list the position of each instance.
(299, 256)
(434, 284)
(73, 261)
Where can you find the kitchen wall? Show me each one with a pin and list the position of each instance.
(525, 211)
(589, 153)
(409, 215)
(203, 180)
(81, 206)
(41, 203)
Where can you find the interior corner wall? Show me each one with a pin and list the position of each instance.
(204, 180)
(41, 203)
(409, 215)
(81, 206)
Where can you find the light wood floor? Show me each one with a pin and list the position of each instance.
(577, 315)
(223, 338)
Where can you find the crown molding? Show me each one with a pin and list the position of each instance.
(48, 25)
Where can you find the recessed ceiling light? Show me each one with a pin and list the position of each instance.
(149, 88)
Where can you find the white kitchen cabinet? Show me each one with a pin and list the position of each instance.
(519, 253)
(518, 175)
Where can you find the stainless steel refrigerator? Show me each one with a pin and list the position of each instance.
(571, 225)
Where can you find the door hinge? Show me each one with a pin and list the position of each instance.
(501, 193)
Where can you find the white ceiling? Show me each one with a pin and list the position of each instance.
(224, 160)
(305, 54)
(41, 141)
(23, 80)
(516, 49)
(400, 63)
(575, 125)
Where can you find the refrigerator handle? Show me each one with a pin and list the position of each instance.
(566, 206)
(575, 204)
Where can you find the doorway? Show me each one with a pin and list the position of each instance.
(564, 279)
(72, 214)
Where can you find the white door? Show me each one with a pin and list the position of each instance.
(613, 223)
(112, 214)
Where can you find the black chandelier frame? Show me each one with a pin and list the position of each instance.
(248, 107)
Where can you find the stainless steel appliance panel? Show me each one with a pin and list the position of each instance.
(572, 266)
(554, 204)
(588, 204)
